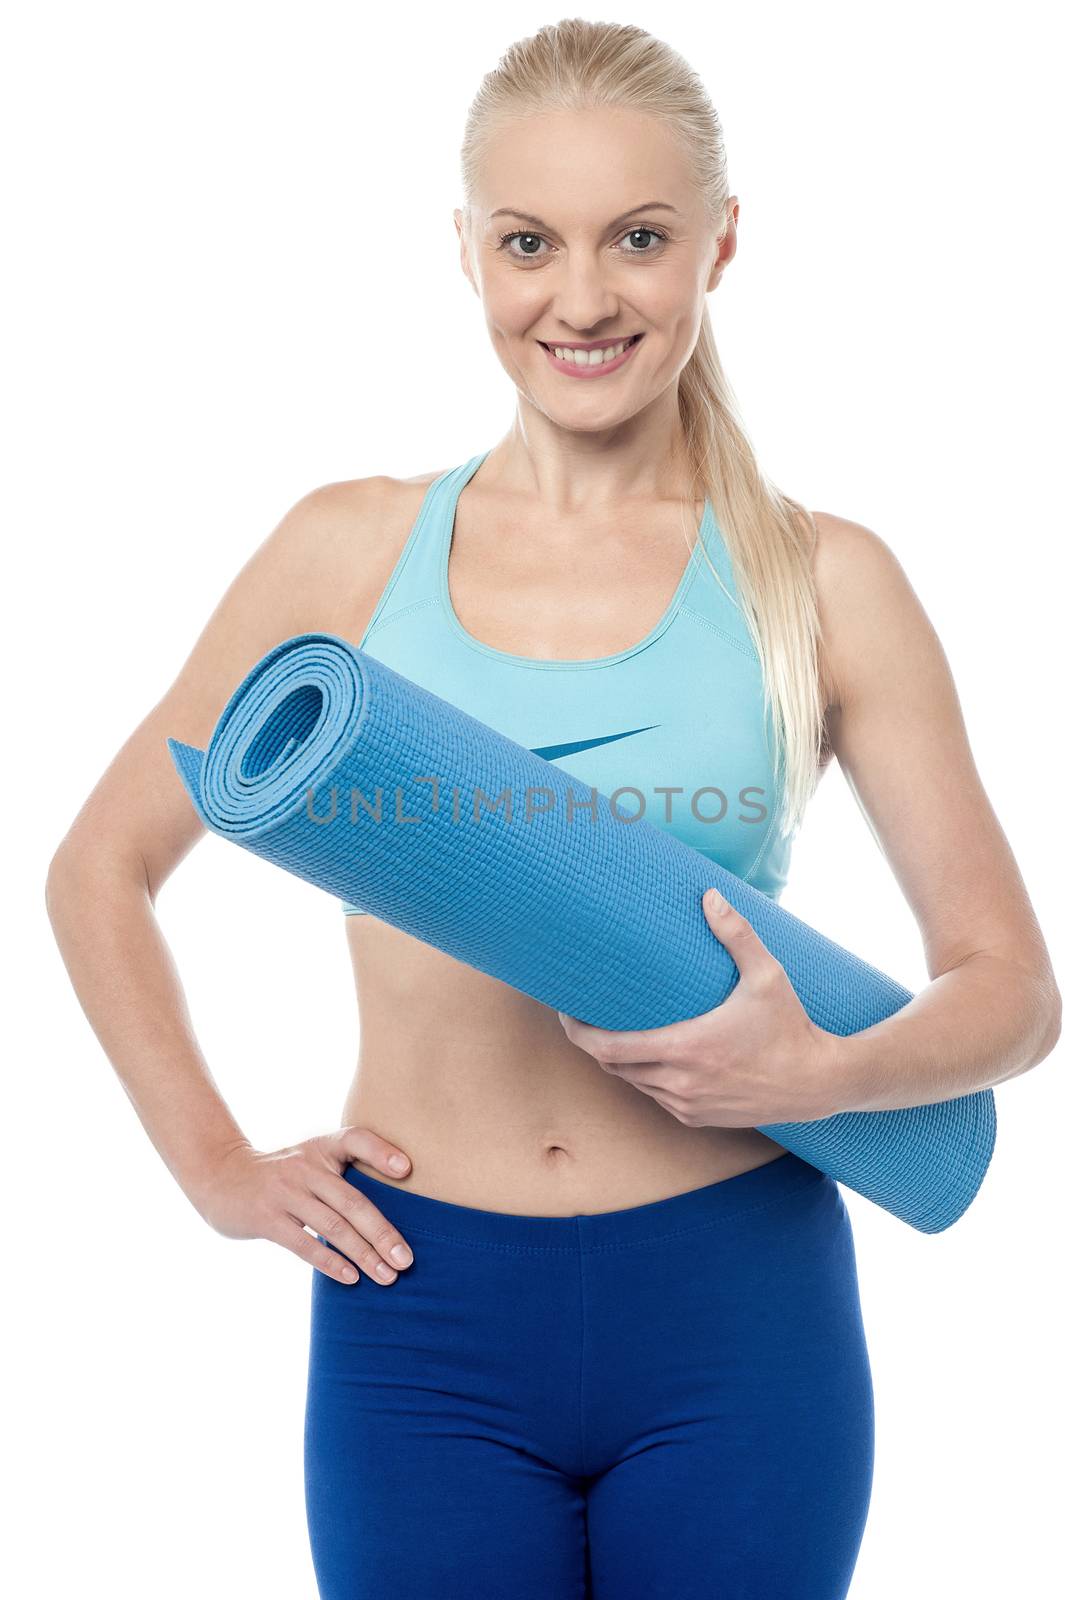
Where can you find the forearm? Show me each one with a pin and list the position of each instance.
(982, 1022)
(125, 979)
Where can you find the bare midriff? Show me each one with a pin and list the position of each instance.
(497, 1109)
(476, 1082)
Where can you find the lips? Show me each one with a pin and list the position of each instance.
(585, 368)
(596, 344)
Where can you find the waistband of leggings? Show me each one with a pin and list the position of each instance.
(727, 1199)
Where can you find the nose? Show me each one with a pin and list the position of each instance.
(584, 298)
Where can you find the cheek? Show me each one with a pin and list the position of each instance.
(511, 307)
(672, 303)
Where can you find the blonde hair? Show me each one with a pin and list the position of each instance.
(769, 537)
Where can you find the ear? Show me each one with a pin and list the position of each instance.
(726, 244)
(464, 255)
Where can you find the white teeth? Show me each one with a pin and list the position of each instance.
(591, 358)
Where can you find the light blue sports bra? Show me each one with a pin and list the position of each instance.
(672, 728)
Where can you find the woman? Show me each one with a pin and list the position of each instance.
(627, 1357)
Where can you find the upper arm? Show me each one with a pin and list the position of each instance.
(139, 816)
(898, 732)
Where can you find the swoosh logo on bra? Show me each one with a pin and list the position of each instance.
(550, 751)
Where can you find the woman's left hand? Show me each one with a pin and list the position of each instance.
(754, 1060)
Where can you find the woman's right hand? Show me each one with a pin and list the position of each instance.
(255, 1194)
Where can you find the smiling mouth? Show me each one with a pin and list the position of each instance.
(605, 353)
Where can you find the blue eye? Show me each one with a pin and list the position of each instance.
(654, 233)
(527, 255)
(505, 239)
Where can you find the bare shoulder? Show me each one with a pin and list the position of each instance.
(359, 494)
(847, 553)
(862, 592)
(349, 535)
(423, 479)
(354, 509)
(321, 569)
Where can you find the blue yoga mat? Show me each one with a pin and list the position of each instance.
(340, 770)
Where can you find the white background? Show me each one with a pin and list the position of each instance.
(232, 276)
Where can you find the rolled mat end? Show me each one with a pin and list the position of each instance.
(189, 763)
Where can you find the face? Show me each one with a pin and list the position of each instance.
(609, 244)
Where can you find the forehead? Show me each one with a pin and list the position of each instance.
(581, 168)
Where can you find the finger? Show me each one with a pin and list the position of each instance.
(338, 1231)
(368, 1146)
(640, 1044)
(671, 1100)
(625, 1069)
(354, 1207)
(644, 1074)
(736, 934)
(287, 1232)
(675, 1108)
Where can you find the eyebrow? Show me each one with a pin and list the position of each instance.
(538, 222)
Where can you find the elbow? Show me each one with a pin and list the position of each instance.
(1040, 1024)
(82, 874)
(1053, 1024)
(1046, 1011)
(57, 881)
(67, 881)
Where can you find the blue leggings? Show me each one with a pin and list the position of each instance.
(672, 1400)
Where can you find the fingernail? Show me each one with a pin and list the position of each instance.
(398, 1163)
(401, 1255)
(716, 902)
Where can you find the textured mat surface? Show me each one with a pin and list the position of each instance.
(334, 767)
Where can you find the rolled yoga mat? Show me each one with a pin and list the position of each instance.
(331, 765)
